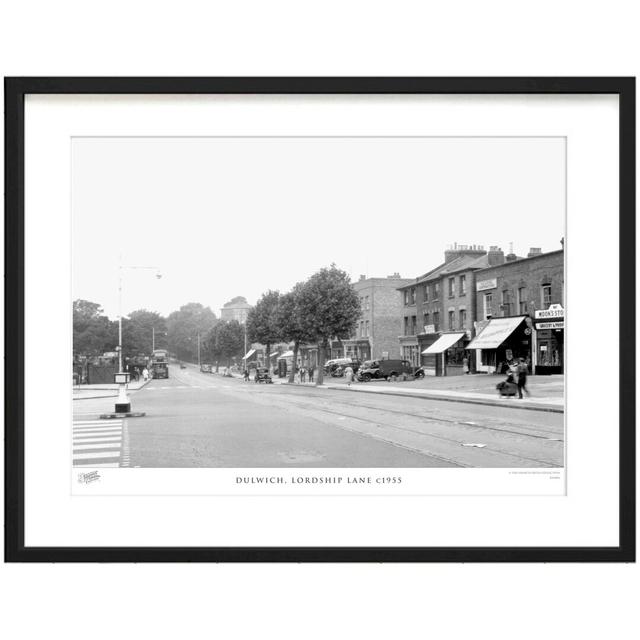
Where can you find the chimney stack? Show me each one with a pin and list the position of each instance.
(458, 250)
(362, 277)
(495, 256)
(534, 251)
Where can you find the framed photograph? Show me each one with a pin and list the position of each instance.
(320, 319)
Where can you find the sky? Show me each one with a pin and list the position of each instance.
(222, 217)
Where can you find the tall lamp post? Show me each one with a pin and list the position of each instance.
(121, 268)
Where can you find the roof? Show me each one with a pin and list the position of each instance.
(521, 259)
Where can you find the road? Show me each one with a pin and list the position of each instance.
(203, 420)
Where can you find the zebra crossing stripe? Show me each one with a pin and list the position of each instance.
(97, 444)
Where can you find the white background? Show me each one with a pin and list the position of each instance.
(332, 38)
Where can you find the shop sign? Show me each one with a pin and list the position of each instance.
(554, 311)
(550, 325)
(483, 285)
(429, 328)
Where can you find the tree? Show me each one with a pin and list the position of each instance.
(262, 321)
(139, 329)
(331, 308)
(185, 325)
(224, 341)
(294, 324)
(93, 332)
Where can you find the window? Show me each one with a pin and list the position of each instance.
(436, 320)
(452, 320)
(522, 300)
(506, 303)
(452, 287)
(413, 295)
(406, 325)
(366, 328)
(436, 290)
(425, 319)
(361, 328)
(463, 285)
(406, 297)
(463, 319)
(488, 301)
(546, 295)
(414, 323)
(426, 293)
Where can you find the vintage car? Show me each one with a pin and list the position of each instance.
(385, 370)
(262, 375)
(335, 368)
(206, 368)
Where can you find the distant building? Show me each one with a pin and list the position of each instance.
(236, 309)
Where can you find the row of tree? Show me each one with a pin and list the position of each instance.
(94, 333)
(316, 311)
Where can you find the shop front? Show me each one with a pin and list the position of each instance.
(502, 342)
(549, 334)
(359, 349)
(428, 361)
(448, 353)
(409, 350)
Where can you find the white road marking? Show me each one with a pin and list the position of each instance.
(113, 438)
(95, 454)
(95, 465)
(113, 446)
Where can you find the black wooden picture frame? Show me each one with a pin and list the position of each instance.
(15, 91)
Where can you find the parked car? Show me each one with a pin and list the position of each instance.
(262, 375)
(335, 368)
(206, 368)
(384, 370)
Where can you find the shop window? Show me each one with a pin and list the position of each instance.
(546, 295)
(452, 320)
(452, 287)
(463, 285)
(463, 319)
(488, 301)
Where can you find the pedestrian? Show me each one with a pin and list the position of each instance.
(310, 374)
(245, 374)
(465, 364)
(303, 374)
(521, 371)
(145, 374)
(348, 374)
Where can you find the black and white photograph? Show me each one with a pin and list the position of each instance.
(318, 302)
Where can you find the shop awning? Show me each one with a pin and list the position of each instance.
(286, 354)
(444, 342)
(275, 353)
(495, 333)
(249, 354)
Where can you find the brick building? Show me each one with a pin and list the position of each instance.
(520, 313)
(439, 309)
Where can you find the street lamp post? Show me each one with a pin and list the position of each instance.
(121, 267)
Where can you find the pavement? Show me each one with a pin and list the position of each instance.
(92, 391)
(546, 392)
(195, 419)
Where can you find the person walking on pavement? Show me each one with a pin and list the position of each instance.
(348, 374)
(303, 373)
(522, 370)
(465, 364)
(245, 374)
(310, 374)
(145, 374)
